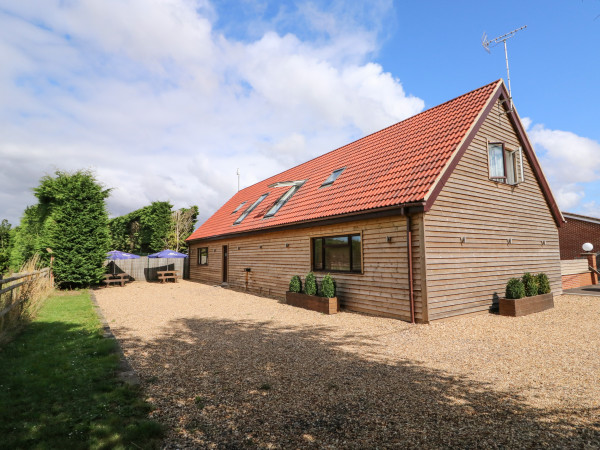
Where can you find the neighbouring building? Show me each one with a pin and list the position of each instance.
(575, 265)
(576, 231)
(424, 220)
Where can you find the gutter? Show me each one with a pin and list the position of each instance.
(330, 220)
(411, 292)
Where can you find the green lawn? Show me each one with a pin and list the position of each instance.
(58, 387)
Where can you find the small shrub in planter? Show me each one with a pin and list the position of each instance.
(310, 284)
(328, 286)
(296, 284)
(530, 283)
(543, 283)
(515, 288)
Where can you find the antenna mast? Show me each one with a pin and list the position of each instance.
(237, 172)
(492, 43)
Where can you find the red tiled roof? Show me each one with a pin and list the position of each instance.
(398, 165)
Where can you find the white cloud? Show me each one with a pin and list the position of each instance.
(571, 163)
(591, 209)
(165, 107)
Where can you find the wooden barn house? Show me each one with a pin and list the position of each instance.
(423, 220)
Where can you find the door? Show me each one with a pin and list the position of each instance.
(225, 263)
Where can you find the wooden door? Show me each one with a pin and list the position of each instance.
(225, 263)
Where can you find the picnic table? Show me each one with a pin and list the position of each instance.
(118, 278)
(166, 275)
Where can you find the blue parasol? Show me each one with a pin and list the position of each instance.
(116, 254)
(167, 254)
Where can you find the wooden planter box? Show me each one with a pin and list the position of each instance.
(312, 302)
(526, 305)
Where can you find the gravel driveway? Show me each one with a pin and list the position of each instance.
(228, 370)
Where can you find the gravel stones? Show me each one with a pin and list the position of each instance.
(226, 369)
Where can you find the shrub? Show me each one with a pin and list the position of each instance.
(310, 284)
(530, 283)
(296, 284)
(515, 288)
(328, 286)
(543, 283)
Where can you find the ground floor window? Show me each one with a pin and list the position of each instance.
(202, 256)
(337, 253)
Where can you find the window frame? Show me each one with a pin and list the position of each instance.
(251, 208)
(239, 207)
(516, 168)
(199, 260)
(283, 199)
(499, 179)
(329, 183)
(313, 240)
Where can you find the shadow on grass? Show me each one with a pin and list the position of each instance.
(234, 384)
(58, 389)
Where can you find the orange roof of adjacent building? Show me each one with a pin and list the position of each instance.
(397, 166)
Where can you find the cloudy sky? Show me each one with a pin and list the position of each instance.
(165, 99)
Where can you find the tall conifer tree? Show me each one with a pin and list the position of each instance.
(75, 226)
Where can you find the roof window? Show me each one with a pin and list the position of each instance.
(250, 209)
(336, 173)
(295, 185)
(237, 209)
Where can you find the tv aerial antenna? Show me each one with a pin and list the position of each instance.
(489, 43)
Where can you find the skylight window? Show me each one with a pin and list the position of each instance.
(336, 173)
(237, 209)
(250, 209)
(284, 198)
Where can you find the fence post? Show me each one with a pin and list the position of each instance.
(591, 257)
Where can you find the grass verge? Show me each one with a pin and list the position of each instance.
(58, 387)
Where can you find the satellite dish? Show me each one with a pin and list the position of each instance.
(587, 247)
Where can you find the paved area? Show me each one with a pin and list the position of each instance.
(593, 290)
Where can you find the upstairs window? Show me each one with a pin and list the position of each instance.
(250, 209)
(238, 208)
(505, 165)
(284, 198)
(336, 173)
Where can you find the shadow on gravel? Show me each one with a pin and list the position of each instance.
(236, 384)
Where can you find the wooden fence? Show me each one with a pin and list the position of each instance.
(145, 269)
(10, 296)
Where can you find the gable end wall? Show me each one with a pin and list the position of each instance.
(469, 277)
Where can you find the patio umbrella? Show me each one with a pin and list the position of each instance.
(116, 254)
(167, 254)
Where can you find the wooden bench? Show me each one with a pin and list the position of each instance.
(120, 278)
(166, 275)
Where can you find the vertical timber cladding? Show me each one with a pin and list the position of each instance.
(467, 277)
(382, 288)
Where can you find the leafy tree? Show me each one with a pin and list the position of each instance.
(5, 245)
(75, 226)
(26, 238)
(153, 228)
(144, 230)
(182, 225)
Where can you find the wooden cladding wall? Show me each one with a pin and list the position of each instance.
(468, 277)
(382, 288)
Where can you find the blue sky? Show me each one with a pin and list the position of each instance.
(164, 100)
